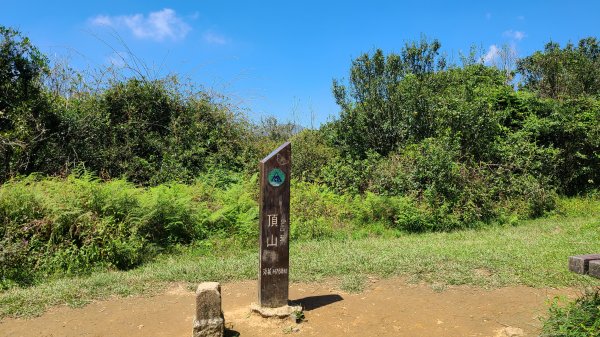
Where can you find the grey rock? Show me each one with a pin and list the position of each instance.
(209, 320)
(281, 312)
(209, 327)
(580, 263)
(510, 332)
(594, 269)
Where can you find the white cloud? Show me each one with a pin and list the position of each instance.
(214, 38)
(491, 55)
(514, 34)
(158, 26)
(502, 57)
(117, 59)
(102, 20)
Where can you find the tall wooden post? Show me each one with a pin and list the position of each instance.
(274, 215)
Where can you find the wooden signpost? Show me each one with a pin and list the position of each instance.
(273, 279)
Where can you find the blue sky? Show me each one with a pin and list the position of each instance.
(279, 57)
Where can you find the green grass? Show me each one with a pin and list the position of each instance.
(532, 254)
(579, 318)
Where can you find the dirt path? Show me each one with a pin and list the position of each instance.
(387, 308)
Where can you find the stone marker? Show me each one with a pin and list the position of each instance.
(580, 263)
(209, 320)
(273, 273)
(594, 268)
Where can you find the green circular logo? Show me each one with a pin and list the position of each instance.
(276, 177)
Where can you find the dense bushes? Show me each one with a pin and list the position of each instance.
(29, 124)
(148, 131)
(460, 140)
(151, 131)
(563, 72)
(76, 224)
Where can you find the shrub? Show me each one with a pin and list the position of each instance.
(77, 224)
(580, 318)
(311, 154)
(316, 212)
(454, 194)
(167, 215)
(235, 212)
(348, 175)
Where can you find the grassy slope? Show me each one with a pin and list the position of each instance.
(533, 254)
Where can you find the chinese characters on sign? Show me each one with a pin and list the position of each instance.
(272, 241)
(274, 225)
(272, 222)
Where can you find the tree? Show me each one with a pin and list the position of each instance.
(386, 100)
(559, 72)
(27, 120)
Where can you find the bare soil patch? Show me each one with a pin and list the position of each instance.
(390, 307)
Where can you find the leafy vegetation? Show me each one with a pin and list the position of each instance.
(580, 318)
(117, 181)
(75, 225)
(69, 226)
(563, 72)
